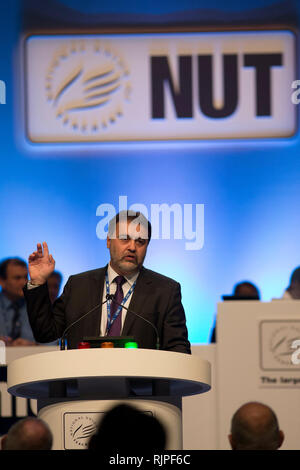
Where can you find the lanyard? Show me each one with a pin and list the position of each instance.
(118, 311)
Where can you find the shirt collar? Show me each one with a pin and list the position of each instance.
(112, 275)
(7, 303)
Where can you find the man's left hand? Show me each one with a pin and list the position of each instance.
(22, 342)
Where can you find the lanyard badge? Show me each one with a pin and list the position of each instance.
(118, 311)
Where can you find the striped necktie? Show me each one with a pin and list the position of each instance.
(115, 329)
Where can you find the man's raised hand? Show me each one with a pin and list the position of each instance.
(40, 264)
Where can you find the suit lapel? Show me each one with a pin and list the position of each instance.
(96, 285)
(139, 299)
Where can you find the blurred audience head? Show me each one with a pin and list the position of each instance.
(246, 290)
(54, 282)
(254, 426)
(13, 277)
(28, 434)
(127, 429)
(294, 287)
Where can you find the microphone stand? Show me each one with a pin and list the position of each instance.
(111, 297)
(62, 340)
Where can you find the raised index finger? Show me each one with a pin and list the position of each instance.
(46, 251)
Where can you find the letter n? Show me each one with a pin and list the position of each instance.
(182, 97)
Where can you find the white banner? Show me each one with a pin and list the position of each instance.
(170, 86)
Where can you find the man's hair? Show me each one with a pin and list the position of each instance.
(4, 265)
(246, 435)
(294, 287)
(246, 289)
(28, 434)
(129, 215)
(127, 428)
(295, 276)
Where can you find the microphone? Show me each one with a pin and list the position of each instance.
(62, 340)
(112, 297)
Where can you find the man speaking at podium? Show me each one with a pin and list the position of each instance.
(146, 294)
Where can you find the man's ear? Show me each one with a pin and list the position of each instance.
(281, 438)
(3, 442)
(231, 441)
(108, 242)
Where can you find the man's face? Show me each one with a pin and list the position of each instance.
(128, 248)
(16, 278)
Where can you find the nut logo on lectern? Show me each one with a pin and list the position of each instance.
(276, 339)
(281, 344)
(82, 428)
(86, 85)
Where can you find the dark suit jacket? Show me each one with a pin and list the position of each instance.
(155, 297)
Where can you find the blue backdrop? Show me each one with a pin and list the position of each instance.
(250, 189)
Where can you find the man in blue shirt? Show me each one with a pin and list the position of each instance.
(15, 329)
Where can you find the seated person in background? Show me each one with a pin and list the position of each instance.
(242, 291)
(28, 434)
(15, 329)
(54, 282)
(293, 290)
(254, 426)
(246, 291)
(146, 433)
